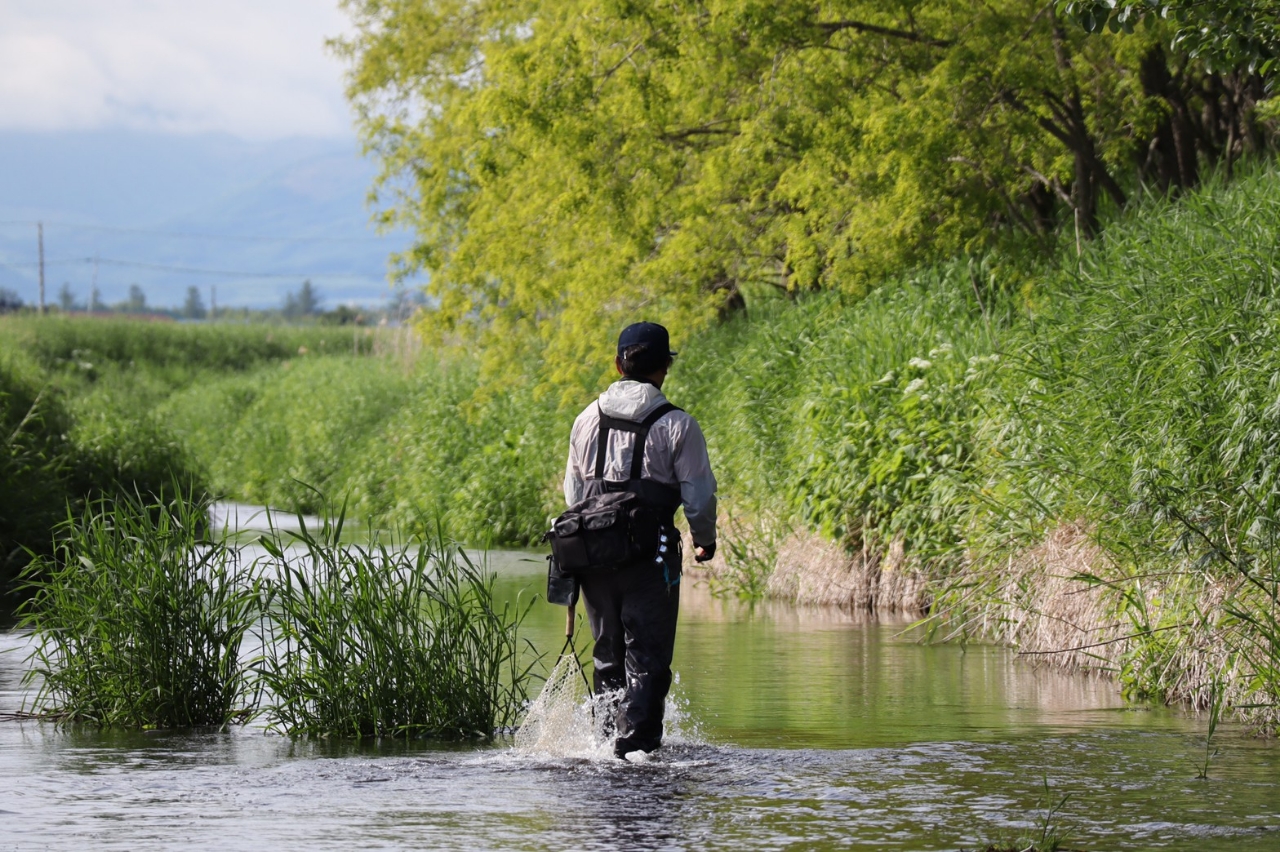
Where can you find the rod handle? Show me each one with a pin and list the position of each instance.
(568, 619)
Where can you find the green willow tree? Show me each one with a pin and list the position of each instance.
(570, 165)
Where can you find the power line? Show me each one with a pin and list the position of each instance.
(188, 270)
(183, 235)
(228, 273)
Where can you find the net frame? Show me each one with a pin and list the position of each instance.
(560, 721)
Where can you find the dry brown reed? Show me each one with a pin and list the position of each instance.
(1035, 602)
(1067, 603)
(400, 344)
(813, 570)
(806, 568)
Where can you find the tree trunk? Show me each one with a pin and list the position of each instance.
(1090, 172)
(1179, 164)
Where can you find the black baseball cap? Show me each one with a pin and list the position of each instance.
(650, 335)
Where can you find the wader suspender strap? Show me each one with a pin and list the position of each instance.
(640, 430)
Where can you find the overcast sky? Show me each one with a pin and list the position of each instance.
(257, 69)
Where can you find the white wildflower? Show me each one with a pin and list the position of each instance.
(920, 363)
(915, 385)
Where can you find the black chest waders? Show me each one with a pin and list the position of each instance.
(611, 545)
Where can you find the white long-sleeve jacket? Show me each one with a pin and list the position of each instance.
(674, 454)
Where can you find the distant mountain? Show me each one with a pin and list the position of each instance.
(169, 212)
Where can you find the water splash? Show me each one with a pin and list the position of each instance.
(679, 725)
(564, 721)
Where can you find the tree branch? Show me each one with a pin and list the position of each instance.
(708, 129)
(833, 27)
(614, 68)
(1050, 184)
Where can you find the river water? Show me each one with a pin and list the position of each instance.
(791, 728)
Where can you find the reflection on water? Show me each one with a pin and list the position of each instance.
(794, 728)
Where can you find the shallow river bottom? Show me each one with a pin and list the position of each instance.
(791, 728)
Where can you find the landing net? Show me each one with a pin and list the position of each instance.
(559, 721)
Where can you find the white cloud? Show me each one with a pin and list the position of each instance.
(254, 68)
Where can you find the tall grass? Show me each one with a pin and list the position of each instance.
(1142, 398)
(140, 622)
(384, 641)
(407, 447)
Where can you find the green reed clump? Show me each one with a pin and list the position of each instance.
(138, 620)
(384, 641)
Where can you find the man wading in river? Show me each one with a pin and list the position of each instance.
(632, 607)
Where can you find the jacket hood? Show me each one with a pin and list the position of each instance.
(630, 400)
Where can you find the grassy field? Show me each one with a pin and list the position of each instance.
(965, 415)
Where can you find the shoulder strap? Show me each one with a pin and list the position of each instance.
(637, 455)
(640, 430)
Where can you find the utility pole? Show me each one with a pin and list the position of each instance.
(213, 302)
(40, 243)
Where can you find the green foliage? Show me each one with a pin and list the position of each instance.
(34, 457)
(890, 456)
(387, 641)
(139, 621)
(120, 444)
(409, 447)
(854, 417)
(488, 465)
(1228, 33)
(58, 449)
(571, 166)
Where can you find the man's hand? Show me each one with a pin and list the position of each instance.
(702, 553)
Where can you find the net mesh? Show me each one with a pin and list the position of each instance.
(559, 721)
